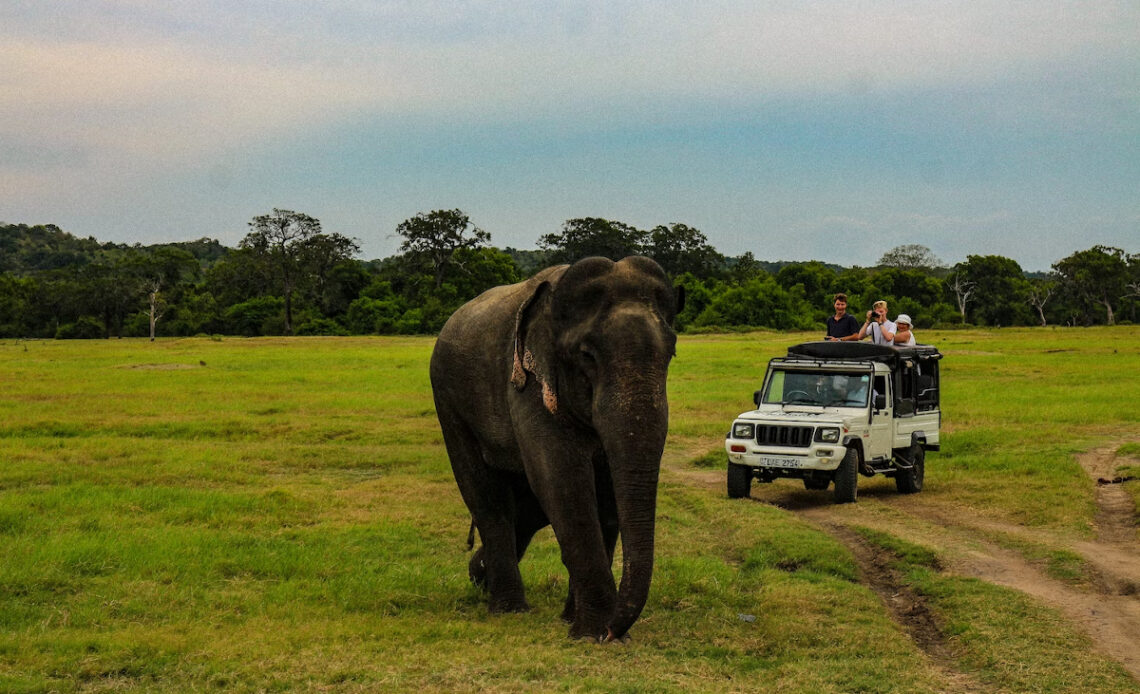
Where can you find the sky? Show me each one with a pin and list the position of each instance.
(811, 130)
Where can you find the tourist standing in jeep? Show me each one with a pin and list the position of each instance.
(878, 326)
(842, 326)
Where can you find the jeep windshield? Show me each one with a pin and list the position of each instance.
(818, 388)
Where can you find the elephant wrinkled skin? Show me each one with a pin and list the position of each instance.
(551, 396)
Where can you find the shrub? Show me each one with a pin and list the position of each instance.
(85, 328)
(321, 326)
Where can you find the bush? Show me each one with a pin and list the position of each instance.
(759, 302)
(138, 325)
(321, 326)
(263, 315)
(373, 316)
(86, 328)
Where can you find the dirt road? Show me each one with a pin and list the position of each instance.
(1106, 606)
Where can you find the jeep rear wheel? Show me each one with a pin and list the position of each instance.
(847, 478)
(739, 481)
(910, 481)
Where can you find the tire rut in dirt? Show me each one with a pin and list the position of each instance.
(908, 609)
(1116, 512)
(1109, 617)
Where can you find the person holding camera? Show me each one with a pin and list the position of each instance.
(881, 330)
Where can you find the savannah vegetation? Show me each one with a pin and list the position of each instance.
(288, 276)
(272, 514)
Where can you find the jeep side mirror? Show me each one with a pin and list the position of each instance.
(880, 401)
(756, 398)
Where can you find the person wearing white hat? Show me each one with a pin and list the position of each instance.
(903, 336)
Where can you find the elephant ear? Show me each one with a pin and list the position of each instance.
(678, 301)
(533, 345)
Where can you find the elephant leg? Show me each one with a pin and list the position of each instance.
(565, 487)
(607, 516)
(530, 518)
(490, 497)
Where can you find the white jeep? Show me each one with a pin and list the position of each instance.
(831, 411)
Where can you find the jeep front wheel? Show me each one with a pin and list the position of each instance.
(910, 481)
(739, 481)
(847, 477)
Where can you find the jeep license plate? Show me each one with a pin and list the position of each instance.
(768, 461)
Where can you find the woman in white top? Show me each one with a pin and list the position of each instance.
(903, 336)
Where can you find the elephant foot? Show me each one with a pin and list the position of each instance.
(606, 636)
(591, 632)
(505, 605)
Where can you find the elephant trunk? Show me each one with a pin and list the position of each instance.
(634, 438)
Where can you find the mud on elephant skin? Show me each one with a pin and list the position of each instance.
(552, 400)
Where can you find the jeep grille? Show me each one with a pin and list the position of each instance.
(795, 437)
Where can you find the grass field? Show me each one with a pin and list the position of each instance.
(279, 515)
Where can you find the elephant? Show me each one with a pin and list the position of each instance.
(551, 395)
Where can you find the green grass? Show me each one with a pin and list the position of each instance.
(279, 514)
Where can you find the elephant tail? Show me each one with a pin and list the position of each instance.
(471, 535)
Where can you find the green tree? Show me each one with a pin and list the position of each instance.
(816, 280)
(16, 297)
(680, 248)
(1099, 275)
(432, 239)
(759, 302)
(593, 236)
(999, 289)
(911, 256)
(744, 268)
(290, 243)
(483, 268)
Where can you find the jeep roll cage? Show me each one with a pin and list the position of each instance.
(914, 370)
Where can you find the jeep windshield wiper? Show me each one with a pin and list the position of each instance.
(800, 401)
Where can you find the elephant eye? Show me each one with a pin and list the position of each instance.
(588, 355)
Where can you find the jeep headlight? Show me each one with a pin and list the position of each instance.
(827, 435)
(743, 430)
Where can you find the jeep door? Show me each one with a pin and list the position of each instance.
(878, 447)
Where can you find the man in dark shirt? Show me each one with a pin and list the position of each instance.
(842, 326)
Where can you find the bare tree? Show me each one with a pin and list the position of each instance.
(157, 304)
(1039, 293)
(962, 289)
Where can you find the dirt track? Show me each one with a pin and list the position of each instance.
(1107, 608)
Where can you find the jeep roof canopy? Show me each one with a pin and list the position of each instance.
(862, 351)
(914, 369)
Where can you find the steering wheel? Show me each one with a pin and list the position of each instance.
(802, 393)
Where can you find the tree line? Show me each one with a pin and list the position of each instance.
(288, 276)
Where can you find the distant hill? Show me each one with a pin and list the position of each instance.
(25, 249)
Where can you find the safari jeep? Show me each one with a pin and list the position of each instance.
(831, 411)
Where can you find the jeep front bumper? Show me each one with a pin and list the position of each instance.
(823, 456)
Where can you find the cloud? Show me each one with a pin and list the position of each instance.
(826, 116)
